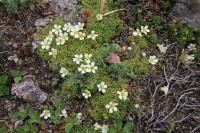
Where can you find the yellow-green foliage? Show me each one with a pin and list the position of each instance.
(3, 129)
(139, 63)
(75, 83)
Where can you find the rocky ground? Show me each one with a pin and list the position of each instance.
(17, 43)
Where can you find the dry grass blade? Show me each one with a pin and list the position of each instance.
(110, 12)
(102, 6)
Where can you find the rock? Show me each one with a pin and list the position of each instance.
(8, 105)
(65, 8)
(187, 10)
(19, 123)
(42, 22)
(28, 91)
(113, 59)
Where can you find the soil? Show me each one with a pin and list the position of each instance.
(16, 35)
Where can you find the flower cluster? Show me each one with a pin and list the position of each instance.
(104, 128)
(61, 35)
(144, 30)
(46, 114)
(87, 66)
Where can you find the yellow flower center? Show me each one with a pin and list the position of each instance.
(87, 93)
(46, 44)
(151, 60)
(101, 87)
(54, 52)
(83, 67)
(60, 39)
(92, 67)
(112, 105)
(123, 93)
(46, 113)
(75, 32)
(50, 36)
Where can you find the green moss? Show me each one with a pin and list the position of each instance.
(84, 129)
(3, 129)
(75, 83)
(115, 76)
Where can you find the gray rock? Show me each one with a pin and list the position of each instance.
(19, 123)
(28, 91)
(65, 8)
(8, 105)
(187, 10)
(41, 22)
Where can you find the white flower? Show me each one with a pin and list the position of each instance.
(50, 36)
(78, 58)
(87, 58)
(129, 48)
(63, 72)
(45, 44)
(123, 94)
(97, 126)
(74, 32)
(137, 33)
(53, 52)
(92, 35)
(67, 27)
(91, 67)
(99, 16)
(64, 36)
(165, 89)
(87, 94)
(102, 87)
(191, 57)
(104, 128)
(186, 58)
(137, 106)
(57, 29)
(112, 107)
(162, 48)
(46, 114)
(83, 68)
(144, 29)
(60, 41)
(64, 113)
(81, 35)
(80, 25)
(79, 116)
(153, 60)
(192, 46)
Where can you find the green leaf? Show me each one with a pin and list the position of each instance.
(26, 128)
(34, 129)
(3, 79)
(74, 118)
(16, 73)
(18, 115)
(118, 124)
(17, 79)
(112, 130)
(128, 127)
(1, 92)
(32, 113)
(31, 121)
(57, 112)
(6, 90)
(68, 127)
